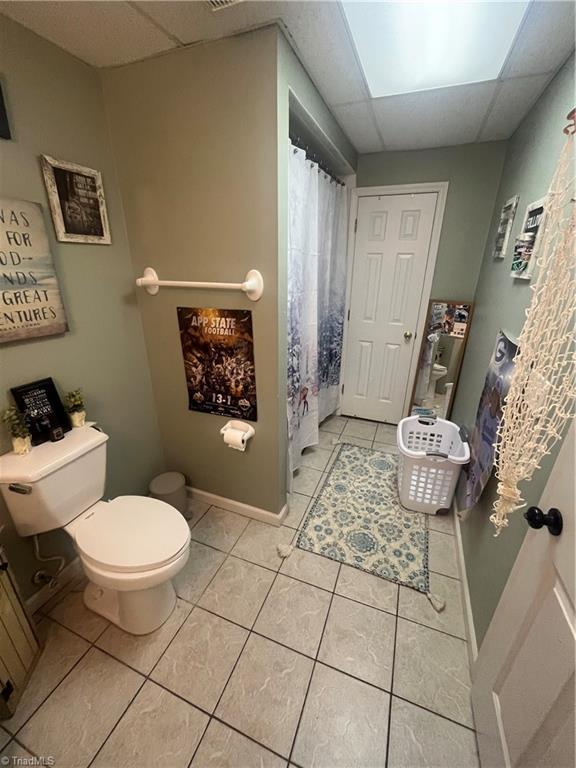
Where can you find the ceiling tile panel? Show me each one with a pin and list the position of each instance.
(438, 118)
(102, 34)
(194, 21)
(545, 40)
(111, 33)
(357, 122)
(321, 38)
(513, 101)
(317, 31)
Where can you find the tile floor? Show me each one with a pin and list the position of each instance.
(264, 662)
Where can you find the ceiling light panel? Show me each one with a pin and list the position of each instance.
(409, 46)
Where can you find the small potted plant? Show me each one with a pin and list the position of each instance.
(74, 402)
(18, 426)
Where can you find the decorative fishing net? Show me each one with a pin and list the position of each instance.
(542, 390)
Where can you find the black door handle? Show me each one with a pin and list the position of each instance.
(551, 519)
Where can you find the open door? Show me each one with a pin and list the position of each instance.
(523, 678)
(19, 648)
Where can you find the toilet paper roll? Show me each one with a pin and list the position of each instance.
(235, 438)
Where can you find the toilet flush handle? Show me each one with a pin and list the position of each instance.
(20, 488)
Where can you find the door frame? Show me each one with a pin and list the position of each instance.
(441, 188)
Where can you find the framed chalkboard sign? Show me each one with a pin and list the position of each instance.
(4, 124)
(41, 404)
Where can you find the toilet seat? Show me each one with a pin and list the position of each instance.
(132, 534)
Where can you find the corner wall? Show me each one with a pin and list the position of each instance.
(501, 301)
(473, 171)
(196, 147)
(55, 107)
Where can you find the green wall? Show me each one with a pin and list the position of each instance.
(196, 147)
(55, 107)
(473, 171)
(531, 158)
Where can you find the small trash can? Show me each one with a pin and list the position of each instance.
(432, 453)
(171, 488)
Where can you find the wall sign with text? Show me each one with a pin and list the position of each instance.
(30, 300)
(218, 350)
(40, 402)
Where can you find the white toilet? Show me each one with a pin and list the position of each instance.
(130, 547)
(437, 372)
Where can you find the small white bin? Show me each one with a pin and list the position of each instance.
(171, 488)
(432, 452)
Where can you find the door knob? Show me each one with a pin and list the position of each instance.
(407, 335)
(551, 519)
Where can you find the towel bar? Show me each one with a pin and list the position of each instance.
(253, 285)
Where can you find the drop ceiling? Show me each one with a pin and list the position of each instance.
(106, 34)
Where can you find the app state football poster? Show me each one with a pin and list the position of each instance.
(218, 349)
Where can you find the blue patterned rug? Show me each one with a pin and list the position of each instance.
(357, 519)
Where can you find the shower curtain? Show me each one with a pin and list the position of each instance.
(317, 212)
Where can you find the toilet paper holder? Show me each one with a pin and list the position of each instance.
(237, 433)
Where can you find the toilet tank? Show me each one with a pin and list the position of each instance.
(54, 483)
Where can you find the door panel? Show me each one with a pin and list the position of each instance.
(19, 649)
(523, 678)
(390, 257)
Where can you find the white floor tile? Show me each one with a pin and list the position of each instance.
(416, 606)
(265, 694)
(260, 541)
(360, 428)
(442, 554)
(305, 480)
(198, 662)
(315, 457)
(431, 669)
(294, 614)
(419, 738)
(219, 528)
(359, 640)
(156, 729)
(368, 589)
(312, 568)
(202, 565)
(344, 723)
(222, 747)
(72, 613)
(62, 650)
(79, 715)
(238, 591)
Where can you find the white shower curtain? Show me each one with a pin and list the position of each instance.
(316, 299)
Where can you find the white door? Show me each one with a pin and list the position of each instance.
(391, 251)
(523, 678)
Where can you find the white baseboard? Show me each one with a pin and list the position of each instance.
(70, 572)
(468, 617)
(237, 506)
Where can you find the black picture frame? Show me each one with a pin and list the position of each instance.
(40, 402)
(4, 124)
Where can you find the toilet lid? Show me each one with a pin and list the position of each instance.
(132, 533)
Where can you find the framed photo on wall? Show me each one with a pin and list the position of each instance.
(507, 215)
(77, 203)
(4, 124)
(40, 402)
(523, 257)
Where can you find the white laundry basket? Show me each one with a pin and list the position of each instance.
(432, 452)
